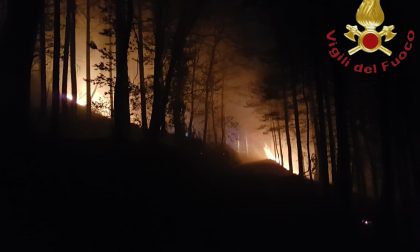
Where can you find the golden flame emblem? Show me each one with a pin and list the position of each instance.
(370, 16)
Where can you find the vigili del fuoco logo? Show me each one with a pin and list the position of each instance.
(370, 38)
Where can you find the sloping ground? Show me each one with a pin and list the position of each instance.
(264, 167)
(98, 195)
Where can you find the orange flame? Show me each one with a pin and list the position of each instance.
(270, 155)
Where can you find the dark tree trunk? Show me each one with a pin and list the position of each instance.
(222, 114)
(358, 157)
(314, 117)
(111, 79)
(207, 84)
(143, 102)
(56, 68)
(185, 24)
(280, 143)
(286, 123)
(321, 135)
(159, 36)
(43, 64)
(73, 56)
(308, 132)
(373, 164)
(123, 24)
(213, 113)
(331, 138)
(88, 77)
(67, 35)
(344, 184)
(274, 136)
(297, 128)
(179, 105)
(192, 112)
(206, 112)
(391, 125)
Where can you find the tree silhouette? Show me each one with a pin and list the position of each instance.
(67, 39)
(123, 23)
(73, 74)
(140, 50)
(56, 67)
(88, 66)
(43, 62)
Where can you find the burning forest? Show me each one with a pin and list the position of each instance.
(244, 125)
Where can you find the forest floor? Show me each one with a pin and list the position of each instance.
(100, 195)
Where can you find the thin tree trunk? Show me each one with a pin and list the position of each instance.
(178, 103)
(206, 113)
(64, 100)
(222, 109)
(159, 36)
(358, 158)
(274, 136)
(286, 122)
(111, 79)
(73, 56)
(344, 182)
(213, 114)
(331, 137)
(280, 143)
(140, 46)
(209, 75)
(308, 132)
(88, 77)
(56, 68)
(195, 62)
(43, 64)
(297, 128)
(373, 164)
(321, 139)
